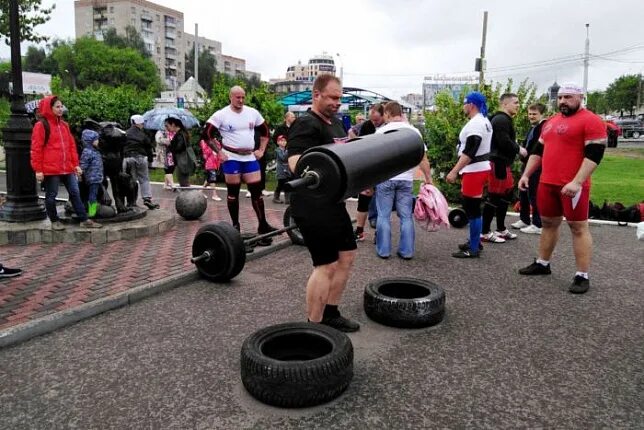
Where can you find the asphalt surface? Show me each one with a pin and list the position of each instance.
(512, 352)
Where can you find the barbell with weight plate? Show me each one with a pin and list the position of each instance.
(457, 218)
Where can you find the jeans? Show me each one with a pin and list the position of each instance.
(51, 191)
(387, 193)
(529, 199)
(373, 211)
(137, 166)
(92, 193)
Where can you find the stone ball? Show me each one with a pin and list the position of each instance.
(191, 204)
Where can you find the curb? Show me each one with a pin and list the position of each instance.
(23, 332)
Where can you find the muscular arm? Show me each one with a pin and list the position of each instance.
(426, 168)
(292, 162)
(264, 136)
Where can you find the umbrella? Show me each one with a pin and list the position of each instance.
(154, 118)
(31, 106)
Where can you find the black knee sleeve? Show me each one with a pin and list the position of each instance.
(255, 190)
(494, 200)
(233, 191)
(363, 202)
(472, 207)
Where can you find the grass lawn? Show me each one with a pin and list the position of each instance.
(619, 177)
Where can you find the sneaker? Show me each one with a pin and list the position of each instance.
(359, 236)
(248, 194)
(341, 323)
(506, 235)
(6, 272)
(57, 225)
(531, 229)
(519, 225)
(278, 201)
(148, 203)
(579, 285)
(492, 237)
(216, 198)
(90, 224)
(466, 253)
(466, 246)
(535, 269)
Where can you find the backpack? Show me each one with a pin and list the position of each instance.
(45, 125)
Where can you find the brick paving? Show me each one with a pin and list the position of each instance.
(61, 276)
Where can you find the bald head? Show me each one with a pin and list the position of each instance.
(237, 96)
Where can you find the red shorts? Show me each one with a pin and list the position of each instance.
(472, 183)
(500, 186)
(552, 203)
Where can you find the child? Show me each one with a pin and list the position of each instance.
(91, 163)
(163, 138)
(211, 164)
(282, 171)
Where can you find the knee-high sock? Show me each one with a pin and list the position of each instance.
(233, 202)
(475, 233)
(258, 204)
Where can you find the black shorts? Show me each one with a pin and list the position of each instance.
(325, 237)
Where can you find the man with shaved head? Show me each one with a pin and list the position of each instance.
(571, 146)
(236, 125)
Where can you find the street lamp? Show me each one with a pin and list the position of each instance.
(341, 68)
(22, 199)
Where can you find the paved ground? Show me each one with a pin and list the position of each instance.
(511, 353)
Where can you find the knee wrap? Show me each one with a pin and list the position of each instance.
(255, 190)
(472, 207)
(363, 202)
(233, 191)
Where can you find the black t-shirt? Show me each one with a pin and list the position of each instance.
(306, 132)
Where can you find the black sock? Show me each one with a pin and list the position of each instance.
(359, 230)
(331, 311)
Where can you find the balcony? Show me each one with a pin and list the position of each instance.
(170, 34)
(146, 16)
(170, 22)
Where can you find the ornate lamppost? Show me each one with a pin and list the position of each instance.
(22, 198)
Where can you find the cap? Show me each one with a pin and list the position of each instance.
(89, 136)
(281, 136)
(570, 88)
(137, 119)
(478, 100)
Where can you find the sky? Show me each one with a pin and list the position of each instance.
(390, 46)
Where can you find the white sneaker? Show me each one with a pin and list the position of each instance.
(531, 229)
(216, 198)
(519, 224)
(248, 194)
(506, 234)
(492, 237)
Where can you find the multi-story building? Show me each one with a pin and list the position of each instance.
(413, 99)
(300, 77)
(162, 30)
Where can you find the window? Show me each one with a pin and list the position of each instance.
(133, 9)
(111, 9)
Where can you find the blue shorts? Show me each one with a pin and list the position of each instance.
(234, 167)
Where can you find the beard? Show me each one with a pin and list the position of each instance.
(568, 110)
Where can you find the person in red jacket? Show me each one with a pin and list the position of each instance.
(54, 159)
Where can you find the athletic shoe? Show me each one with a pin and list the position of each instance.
(216, 198)
(466, 254)
(341, 323)
(6, 272)
(359, 236)
(535, 269)
(506, 234)
(519, 225)
(579, 285)
(492, 237)
(531, 229)
(88, 223)
(248, 194)
(57, 225)
(148, 203)
(466, 246)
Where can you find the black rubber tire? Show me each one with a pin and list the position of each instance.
(636, 135)
(296, 365)
(404, 302)
(295, 235)
(228, 248)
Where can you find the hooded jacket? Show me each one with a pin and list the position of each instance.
(92, 164)
(58, 156)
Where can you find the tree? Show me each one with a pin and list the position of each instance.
(87, 62)
(34, 59)
(621, 95)
(443, 125)
(597, 102)
(132, 39)
(5, 78)
(207, 67)
(31, 14)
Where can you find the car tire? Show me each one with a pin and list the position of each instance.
(295, 235)
(404, 302)
(636, 135)
(295, 365)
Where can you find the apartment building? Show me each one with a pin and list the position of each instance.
(300, 77)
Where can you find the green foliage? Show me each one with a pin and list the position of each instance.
(5, 78)
(443, 125)
(207, 67)
(5, 111)
(103, 103)
(621, 95)
(32, 14)
(131, 39)
(597, 102)
(87, 62)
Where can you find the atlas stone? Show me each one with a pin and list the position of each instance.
(191, 204)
